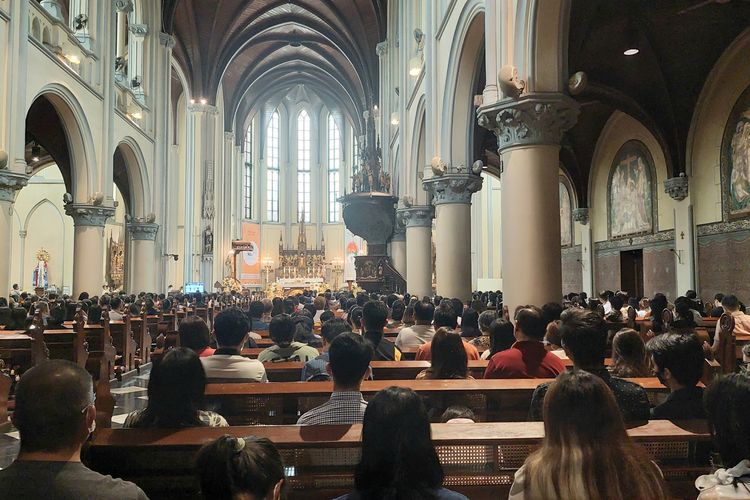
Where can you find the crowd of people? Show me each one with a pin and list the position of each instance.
(337, 336)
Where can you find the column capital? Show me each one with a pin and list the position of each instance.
(581, 215)
(381, 48)
(677, 187)
(229, 135)
(452, 187)
(10, 183)
(143, 230)
(419, 216)
(167, 40)
(532, 119)
(399, 229)
(89, 215)
(125, 6)
(139, 30)
(203, 108)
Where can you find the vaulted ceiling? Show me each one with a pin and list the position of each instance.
(256, 49)
(680, 41)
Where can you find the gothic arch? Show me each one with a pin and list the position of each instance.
(138, 184)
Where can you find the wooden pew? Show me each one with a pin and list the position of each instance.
(479, 459)
(282, 402)
(100, 363)
(122, 339)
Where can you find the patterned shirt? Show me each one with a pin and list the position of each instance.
(207, 418)
(344, 407)
(631, 397)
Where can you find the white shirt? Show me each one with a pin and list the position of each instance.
(234, 366)
(607, 307)
(415, 336)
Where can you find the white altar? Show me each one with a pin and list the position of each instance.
(303, 283)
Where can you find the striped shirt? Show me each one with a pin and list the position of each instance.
(345, 407)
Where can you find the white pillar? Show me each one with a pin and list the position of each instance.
(88, 246)
(684, 233)
(451, 195)
(398, 247)
(581, 216)
(418, 221)
(14, 123)
(529, 131)
(142, 238)
(54, 8)
(10, 183)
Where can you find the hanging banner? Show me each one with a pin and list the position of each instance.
(353, 246)
(248, 255)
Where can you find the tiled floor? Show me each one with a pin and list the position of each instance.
(129, 395)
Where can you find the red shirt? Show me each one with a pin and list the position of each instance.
(525, 359)
(206, 352)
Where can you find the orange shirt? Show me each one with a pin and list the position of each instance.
(425, 351)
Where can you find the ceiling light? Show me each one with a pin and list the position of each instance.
(192, 101)
(631, 39)
(394, 118)
(36, 152)
(73, 58)
(631, 51)
(204, 101)
(415, 66)
(136, 115)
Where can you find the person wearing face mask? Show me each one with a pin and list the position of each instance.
(54, 415)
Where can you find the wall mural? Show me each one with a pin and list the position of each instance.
(736, 157)
(566, 238)
(630, 191)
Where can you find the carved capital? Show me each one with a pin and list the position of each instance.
(229, 136)
(143, 230)
(581, 215)
(399, 229)
(452, 187)
(89, 215)
(167, 40)
(10, 183)
(125, 6)
(420, 216)
(677, 187)
(533, 119)
(138, 29)
(381, 49)
(203, 108)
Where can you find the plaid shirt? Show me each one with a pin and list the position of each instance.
(345, 407)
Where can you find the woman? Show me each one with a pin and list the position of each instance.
(408, 318)
(684, 317)
(398, 457)
(580, 414)
(354, 318)
(629, 358)
(727, 402)
(233, 468)
(470, 324)
(482, 343)
(658, 304)
(501, 337)
(175, 395)
(449, 358)
(94, 315)
(194, 335)
(397, 314)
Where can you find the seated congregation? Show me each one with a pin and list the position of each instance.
(379, 396)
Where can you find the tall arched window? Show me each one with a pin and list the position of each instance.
(334, 163)
(304, 204)
(272, 168)
(247, 175)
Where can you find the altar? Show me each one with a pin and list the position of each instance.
(300, 283)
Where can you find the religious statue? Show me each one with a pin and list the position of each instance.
(208, 241)
(40, 276)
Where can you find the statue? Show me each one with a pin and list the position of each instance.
(208, 241)
(40, 278)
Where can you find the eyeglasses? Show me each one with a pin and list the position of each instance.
(92, 403)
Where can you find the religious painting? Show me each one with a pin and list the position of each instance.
(566, 207)
(631, 200)
(249, 269)
(735, 155)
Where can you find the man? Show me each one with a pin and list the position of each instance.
(604, 297)
(231, 330)
(527, 358)
(422, 331)
(374, 318)
(255, 312)
(55, 414)
(349, 364)
(282, 330)
(115, 313)
(717, 311)
(319, 303)
(584, 338)
(315, 369)
(679, 363)
(731, 306)
(445, 317)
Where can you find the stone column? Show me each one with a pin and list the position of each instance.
(418, 222)
(54, 8)
(581, 216)
(684, 233)
(88, 246)
(398, 246)
(142, 240)
(10, 183)
(529, 130)
(451, 195)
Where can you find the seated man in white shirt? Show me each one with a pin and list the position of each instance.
(115, 312)
(227, 364)
(422, 331)
(348, 365)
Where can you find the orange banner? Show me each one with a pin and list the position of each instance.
(248, 259)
